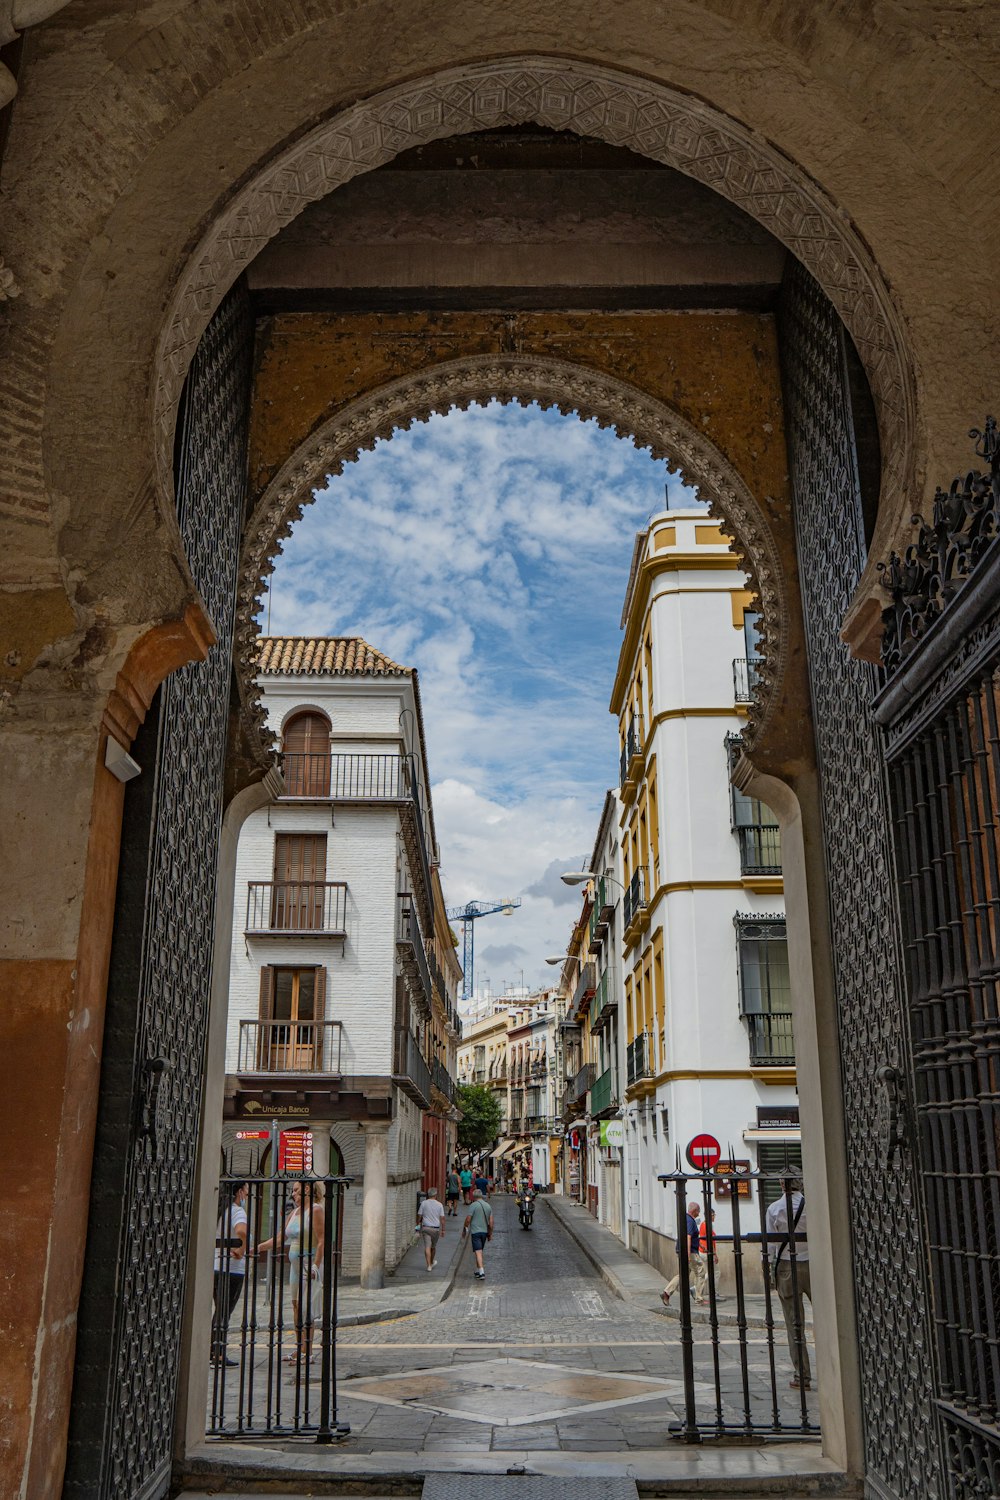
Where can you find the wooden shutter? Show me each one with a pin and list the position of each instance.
(265, 1013)
(306, 744)
(325, 1051)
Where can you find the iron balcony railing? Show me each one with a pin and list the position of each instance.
(602, 1002)
(772, 1043)
(411, 1070)
(760, 849)
(410, 947)
(346, 778)
(639, 1060)
(538, 1069)
(635, 898)
(581, 1083)
(293, 906)
(442, 1080)
(290, 1047)
(602, 1092)
(539, 1124)
(585, 986)
(600, 914)
(746, 676)
(631, 749)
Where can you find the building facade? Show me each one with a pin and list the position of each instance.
(342, 1024)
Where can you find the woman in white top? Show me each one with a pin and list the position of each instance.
(230, 1266)
(302, 1238)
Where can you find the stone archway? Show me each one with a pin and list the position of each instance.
(651, 119)
(573, 389)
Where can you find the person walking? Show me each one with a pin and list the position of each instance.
(697, 1269)
(453, 1191)
(430, 1222)
(482, 1182)
(791, 1281)
(302, 1239)
(465, 1177)
(707, 1247)
(230, 1265)
(479, 1223)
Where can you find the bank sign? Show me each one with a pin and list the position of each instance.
(612, 1133)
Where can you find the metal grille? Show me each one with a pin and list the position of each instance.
(902, 1455)
(943, 723)
(151, 1084)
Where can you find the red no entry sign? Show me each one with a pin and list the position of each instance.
(703, 1152)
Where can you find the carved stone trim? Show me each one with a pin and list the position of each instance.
(649, 118)
(572, 388)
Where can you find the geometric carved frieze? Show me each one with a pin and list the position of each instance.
(649, 118)
(570, 387)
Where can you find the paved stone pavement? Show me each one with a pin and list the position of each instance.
(509, 1364)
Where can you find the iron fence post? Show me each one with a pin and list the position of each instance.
(690, 1431)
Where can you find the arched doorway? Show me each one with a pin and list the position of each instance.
(230, 338)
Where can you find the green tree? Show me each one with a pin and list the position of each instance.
(481, 1115)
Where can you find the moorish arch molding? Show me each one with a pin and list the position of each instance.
(649, 118)
(573, 389)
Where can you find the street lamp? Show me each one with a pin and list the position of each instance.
(578, 877)
(559, 958)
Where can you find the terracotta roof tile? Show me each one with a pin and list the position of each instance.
(333, 655)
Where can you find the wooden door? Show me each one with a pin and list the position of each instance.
(306, 746)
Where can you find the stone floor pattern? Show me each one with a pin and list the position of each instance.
(539, 1356)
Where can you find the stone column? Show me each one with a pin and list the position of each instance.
(376, 1193)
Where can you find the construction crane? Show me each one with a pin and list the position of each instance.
(469, 915)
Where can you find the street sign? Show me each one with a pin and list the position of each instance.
(295, 1151)
(703, 1152)
(612, 1133)
(253, 1135)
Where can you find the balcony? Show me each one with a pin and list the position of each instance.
(539, 1124)
(290, 908)
(746, 676)
(760, 849)
(634, 908)
(412, 956)
(585, 987)
(603, 1094)
(639, 1063)
(772, 1043)
(580, 1086)
(302, 1047)
(442, 1080)
(410, 1070)
(603, 1004)
(631, 756)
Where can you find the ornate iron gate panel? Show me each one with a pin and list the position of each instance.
(151, 1081)
(941, 710)
(902, 1449)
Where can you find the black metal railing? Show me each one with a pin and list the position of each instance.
(286, 906)
(580, 1086)
(631, 749)
(410, 1068)
(635, 898)
(585, 986)
(746, 676)
(347, 778)
(760, 848)
(412, 954)
(290, 1047)
(442, 1080)
(772, 1043)
(274, 1320)
(762, 1390)
(639, 1058)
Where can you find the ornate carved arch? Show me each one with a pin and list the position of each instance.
(572, 388)
(649, 118)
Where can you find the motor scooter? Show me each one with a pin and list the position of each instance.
(526, 1207)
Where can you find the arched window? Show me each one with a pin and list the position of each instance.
(306, 747)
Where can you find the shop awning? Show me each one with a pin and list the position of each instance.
(756, 1133)
(503, 1149)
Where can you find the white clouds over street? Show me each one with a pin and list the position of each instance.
(489, 549)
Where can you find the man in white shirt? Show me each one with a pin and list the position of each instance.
(791, 1282)
(430, 1222)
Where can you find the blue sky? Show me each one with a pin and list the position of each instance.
(490, 549)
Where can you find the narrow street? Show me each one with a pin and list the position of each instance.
(541, 1355)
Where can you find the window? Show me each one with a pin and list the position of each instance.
(751, 635)
(306, 747)
(780, 1156)
(289, 1029)
(765, 985)
(755, 826)
(298, 896)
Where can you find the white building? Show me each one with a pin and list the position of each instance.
(705, 1035)
(343, 974)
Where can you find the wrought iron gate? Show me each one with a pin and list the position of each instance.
(902, 1454)
(941, 712)
(274, 1323)
(125, 1377)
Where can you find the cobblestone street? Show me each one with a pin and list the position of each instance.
(461, 1375)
